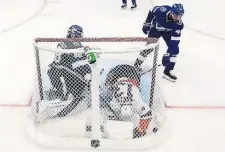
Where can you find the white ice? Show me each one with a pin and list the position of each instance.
(196, 125)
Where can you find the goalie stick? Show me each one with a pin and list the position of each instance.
(159, 65)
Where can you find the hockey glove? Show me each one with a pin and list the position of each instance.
(137, 133)
(146, 28)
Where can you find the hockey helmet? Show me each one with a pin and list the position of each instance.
(177, 11)
(75, 31)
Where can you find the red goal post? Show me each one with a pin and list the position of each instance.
(65, 134)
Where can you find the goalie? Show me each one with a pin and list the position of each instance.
(121, 93)
(64, 62)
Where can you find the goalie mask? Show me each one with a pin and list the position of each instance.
(75, 31)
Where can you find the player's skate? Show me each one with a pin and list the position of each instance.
(168, 76)
(133, 7)
(124, 6)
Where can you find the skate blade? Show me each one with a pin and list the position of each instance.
(169, 79)
(124, 8)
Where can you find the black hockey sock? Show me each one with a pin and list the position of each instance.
(134, 2)
(124, 1)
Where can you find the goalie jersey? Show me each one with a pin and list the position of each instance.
(117, 69)
(67, 59)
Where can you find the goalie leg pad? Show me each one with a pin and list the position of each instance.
(70, 107)
(142, 56)
(54, 75)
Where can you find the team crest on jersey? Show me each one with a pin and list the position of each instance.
(162, 9)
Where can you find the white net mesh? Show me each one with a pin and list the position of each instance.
(94, 96)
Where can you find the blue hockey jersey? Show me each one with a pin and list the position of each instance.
(158, 20)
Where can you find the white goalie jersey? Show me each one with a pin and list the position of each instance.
(127, 100)
(120, 88)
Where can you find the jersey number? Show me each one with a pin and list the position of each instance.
(124, 92)
(178, 32)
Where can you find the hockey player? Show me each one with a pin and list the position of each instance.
(134, 4)
(164, 21)
(122, 95)
(65, 62)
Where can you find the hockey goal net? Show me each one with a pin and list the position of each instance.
(80, 102)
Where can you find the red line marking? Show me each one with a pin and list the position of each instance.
(194, 107)
(166, 105)
(17, 105)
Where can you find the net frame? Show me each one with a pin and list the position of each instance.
(141, 143)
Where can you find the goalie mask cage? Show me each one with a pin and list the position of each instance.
(67, 106)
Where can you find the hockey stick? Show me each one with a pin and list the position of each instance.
(159, 65)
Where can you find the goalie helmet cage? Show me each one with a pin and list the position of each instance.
(89, 127)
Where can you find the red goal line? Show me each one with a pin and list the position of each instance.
(166, 105)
